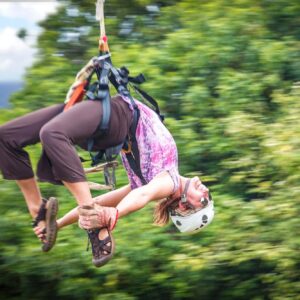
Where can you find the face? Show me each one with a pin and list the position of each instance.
(195, 193)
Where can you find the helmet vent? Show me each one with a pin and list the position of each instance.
(178, 223)
(193, 219)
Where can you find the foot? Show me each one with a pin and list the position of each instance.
(45, 226)
(103, 245)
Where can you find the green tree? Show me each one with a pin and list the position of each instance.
(227, 76)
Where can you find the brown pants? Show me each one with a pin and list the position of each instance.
(59, 132)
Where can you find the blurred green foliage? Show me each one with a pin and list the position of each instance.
(227, 75)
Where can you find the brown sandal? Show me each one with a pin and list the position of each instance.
(102, 253)
(47, 213)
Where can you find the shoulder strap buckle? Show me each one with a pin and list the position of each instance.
(127, 147)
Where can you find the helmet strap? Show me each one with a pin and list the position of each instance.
(183, 197)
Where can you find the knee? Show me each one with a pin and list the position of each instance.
(48, 134)
(6, 139)
(3, 133)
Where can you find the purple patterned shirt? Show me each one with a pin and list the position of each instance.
(158, 151)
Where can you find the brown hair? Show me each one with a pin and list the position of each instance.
(161, 211)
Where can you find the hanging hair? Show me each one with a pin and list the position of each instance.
(161, 211)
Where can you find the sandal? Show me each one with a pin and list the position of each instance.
(102, 252)
(47, 212)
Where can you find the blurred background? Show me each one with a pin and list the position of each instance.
(227, 76)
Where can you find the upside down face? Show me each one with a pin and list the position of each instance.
(197, 195)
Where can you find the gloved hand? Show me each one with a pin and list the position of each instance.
(81, 76)
(97, 217)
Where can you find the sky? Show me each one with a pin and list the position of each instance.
(17, 54)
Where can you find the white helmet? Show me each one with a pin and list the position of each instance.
(193, 219)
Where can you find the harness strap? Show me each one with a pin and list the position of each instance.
(150, 100)
(122, 75)
(104, 96)
(101, 89)
(133, 156)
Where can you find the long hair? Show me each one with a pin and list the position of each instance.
(161, 211)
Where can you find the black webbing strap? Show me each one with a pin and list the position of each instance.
(100, 92)
(104, 96)
(150, 100)
(133, 157)
(120, 78)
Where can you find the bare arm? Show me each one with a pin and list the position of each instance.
(68, 219)
(111, 199)
(159, 187)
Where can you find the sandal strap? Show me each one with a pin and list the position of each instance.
(104, 242)
(41, 216)
(91, 237)
(105, 249)
(98, 246)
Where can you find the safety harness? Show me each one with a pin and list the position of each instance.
(100, 91)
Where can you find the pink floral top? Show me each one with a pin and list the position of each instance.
(158, 151)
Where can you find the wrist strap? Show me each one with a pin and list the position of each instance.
(116, 220)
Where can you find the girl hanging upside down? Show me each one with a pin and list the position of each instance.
(185, 200)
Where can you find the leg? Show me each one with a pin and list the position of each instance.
(110, 199)
(14, 161)
(81, 192)
(32, 195)
(58, 139)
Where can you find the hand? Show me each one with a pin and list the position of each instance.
(97, 217)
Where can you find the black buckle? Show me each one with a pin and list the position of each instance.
(137, 79)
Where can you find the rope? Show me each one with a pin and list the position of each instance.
(103, 45)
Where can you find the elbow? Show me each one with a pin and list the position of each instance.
(142, 196)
